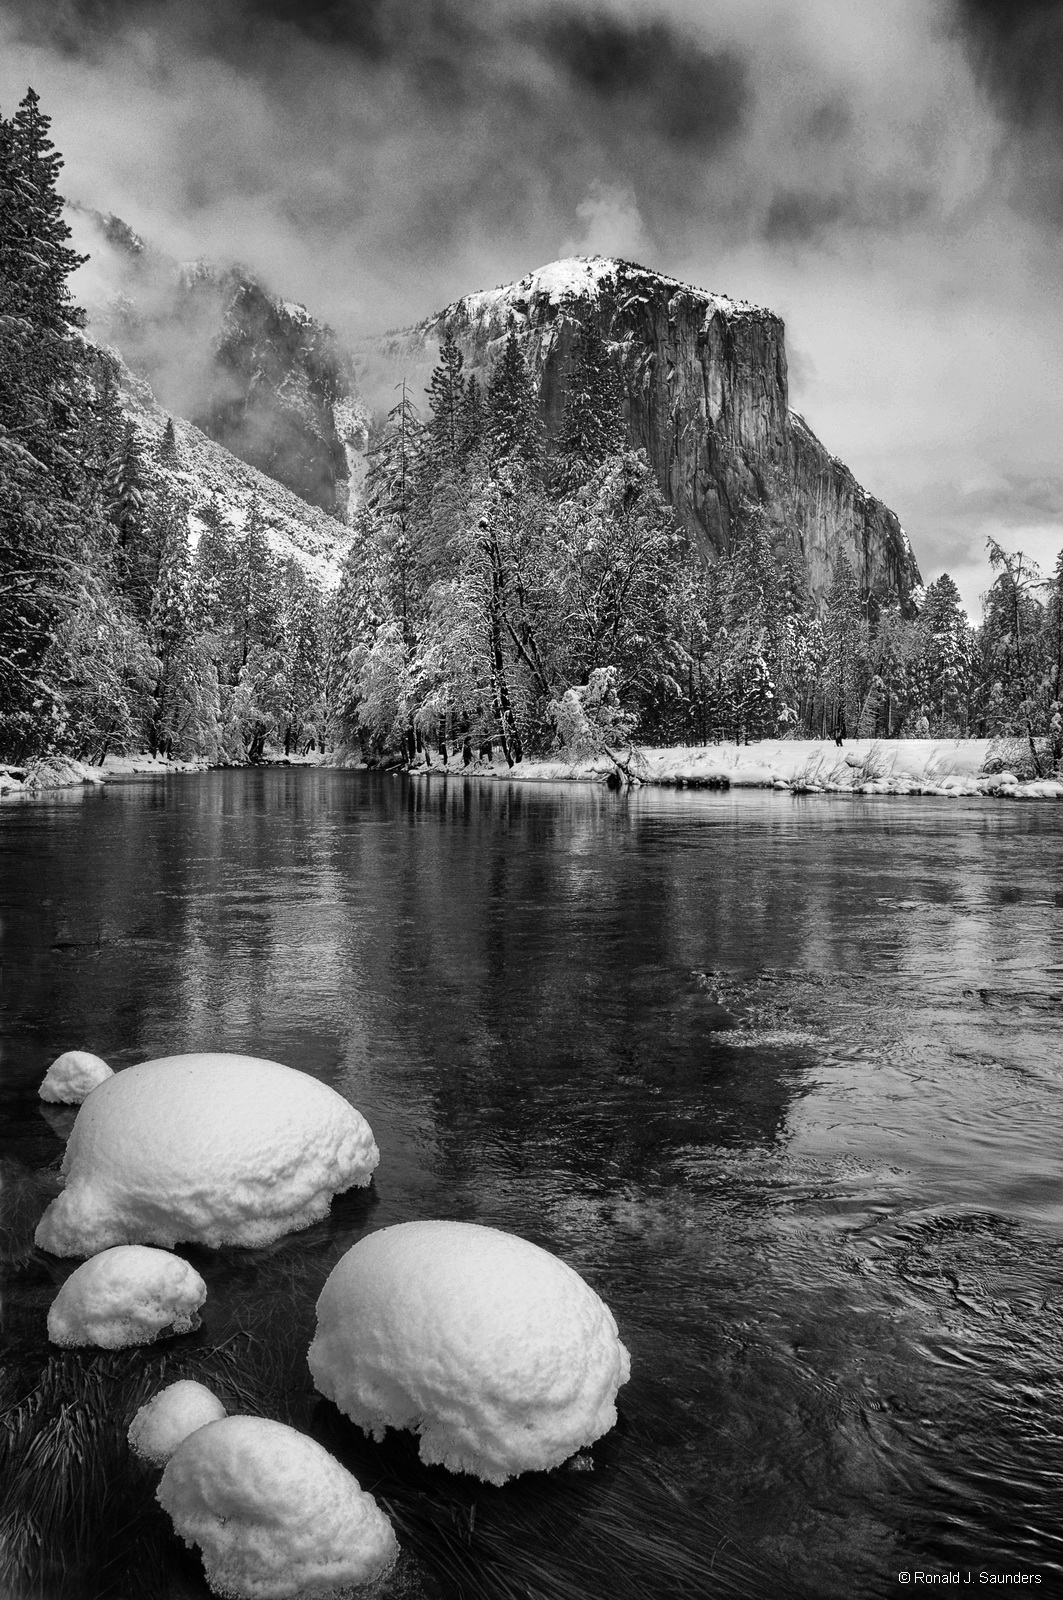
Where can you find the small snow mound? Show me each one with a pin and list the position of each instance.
(499, 1354)
(273, 1513)
(169, 1417)
(216, 1148)
(126, 1296)
(72, 1076)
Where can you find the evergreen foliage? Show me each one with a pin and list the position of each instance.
(593, 427)
(501, 592)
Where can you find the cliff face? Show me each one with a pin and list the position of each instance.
(282, 398)
(705, 379)
(255, 373)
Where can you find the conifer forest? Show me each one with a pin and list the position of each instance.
(497, 588)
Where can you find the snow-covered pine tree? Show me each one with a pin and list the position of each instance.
(167, 452)
(1012, 631)
(844, 635)
(514, 429)
(949, 650)
(302, 651)
(445, 436)
(214, 572)
(45, 496)
(256, 617)
(593, 427)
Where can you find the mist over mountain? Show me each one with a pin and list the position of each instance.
(704, 377)
(255, 373)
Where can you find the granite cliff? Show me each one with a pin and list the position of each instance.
(706, 387)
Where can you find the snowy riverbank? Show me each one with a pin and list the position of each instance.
(951, 768)
(63, 772)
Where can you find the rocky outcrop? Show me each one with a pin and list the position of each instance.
(705, 379)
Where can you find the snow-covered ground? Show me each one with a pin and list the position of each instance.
(950, 768)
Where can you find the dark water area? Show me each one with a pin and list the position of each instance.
(782, 1078)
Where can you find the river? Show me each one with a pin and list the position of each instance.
(781, 1077)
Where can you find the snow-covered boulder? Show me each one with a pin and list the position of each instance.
(73, 1076)
(220, 1149)
(124, 1296)
(169, 1417)
(273, 1513)
(500, 1355)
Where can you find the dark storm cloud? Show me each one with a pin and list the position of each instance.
(1016, 49)
(652, 71)
(884, 176)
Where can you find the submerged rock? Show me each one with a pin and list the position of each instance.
(73, 1076)
(215, 1148)
(169, 1417)
(273, 1513)
(497, 1353)
(126, 1295)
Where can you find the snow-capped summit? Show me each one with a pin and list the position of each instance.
(559, 289)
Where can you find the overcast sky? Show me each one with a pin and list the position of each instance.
(887, 175)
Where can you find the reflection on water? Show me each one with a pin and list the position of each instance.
(781, 1078)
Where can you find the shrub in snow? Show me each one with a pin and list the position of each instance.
(500, 1355)
(72, 1076)
(273, 1513)
(126, 1296)
(169, 1417)
(216, 1148)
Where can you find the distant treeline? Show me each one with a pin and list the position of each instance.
(499, 588)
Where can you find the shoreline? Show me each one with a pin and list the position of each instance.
(946, 768)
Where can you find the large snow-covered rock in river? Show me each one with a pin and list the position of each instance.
(273, 1513)
(126, 1295)
(72, 1077)
(497, 1353)
(215, 1148)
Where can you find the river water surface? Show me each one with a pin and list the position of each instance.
(782, 1078)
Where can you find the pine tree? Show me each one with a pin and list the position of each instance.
(1012, 630)
(514, 430)
(214, 571)
(593, 426)
(167, 447)
(948, 654)
(445, 433)
(45, 494)
(255, 598)
(843, 638)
